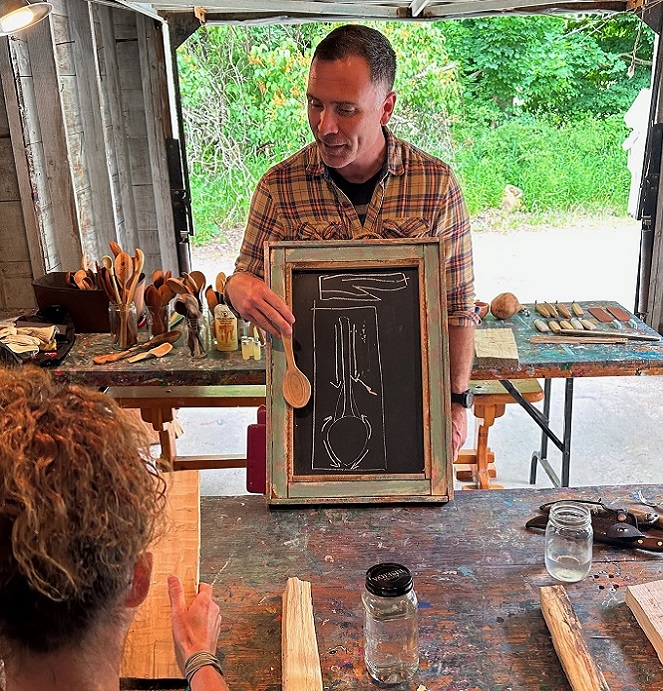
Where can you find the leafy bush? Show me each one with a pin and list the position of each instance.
(535, 102)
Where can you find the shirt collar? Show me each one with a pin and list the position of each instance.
(395, 163)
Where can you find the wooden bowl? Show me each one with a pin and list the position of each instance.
(483, 308)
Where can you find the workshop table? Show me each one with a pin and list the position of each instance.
(477, 573)
(536, 361)
(567, 361)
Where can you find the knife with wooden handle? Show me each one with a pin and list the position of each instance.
(577, 310)
(543, 310)
(564, 310)
(168, 337)
(541, 326)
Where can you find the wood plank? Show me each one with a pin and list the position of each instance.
(97, 206)
(113, 107)
(300, 661)
(29, 220)
(566, 632)
(149, 652)
(158, 124)
(496, 346)
(62, 219)
(646, 603)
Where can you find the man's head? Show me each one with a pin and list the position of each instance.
(350, 97)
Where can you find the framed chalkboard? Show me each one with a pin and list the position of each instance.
(371, 337)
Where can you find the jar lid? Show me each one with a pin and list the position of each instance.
(388, 580)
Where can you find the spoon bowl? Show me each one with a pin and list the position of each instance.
(296, 387)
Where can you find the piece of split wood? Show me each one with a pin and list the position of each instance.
(646, 603)
(300, 661)
(149, 652)
(496, 344)
(566, 633)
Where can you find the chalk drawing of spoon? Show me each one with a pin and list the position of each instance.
(347, 432)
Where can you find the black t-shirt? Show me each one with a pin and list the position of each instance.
(359, 193)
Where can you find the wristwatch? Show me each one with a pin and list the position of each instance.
(466, 399)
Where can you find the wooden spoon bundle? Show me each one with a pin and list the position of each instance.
(123, 276)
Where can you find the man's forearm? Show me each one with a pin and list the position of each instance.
(461, 355)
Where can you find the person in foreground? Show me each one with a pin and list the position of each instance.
(80, 502)
(358, 180)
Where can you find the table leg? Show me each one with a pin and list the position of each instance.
(547, 389)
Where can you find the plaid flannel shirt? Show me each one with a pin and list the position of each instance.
(418, 196)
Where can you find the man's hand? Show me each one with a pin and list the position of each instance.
(251, 297)
(195, 627)
(458, 428)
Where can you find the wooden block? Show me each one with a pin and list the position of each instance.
(300, 661)
(646, 603)
(566, 633)
(496, 346)
(149, 652)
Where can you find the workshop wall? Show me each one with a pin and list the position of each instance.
(84, 120)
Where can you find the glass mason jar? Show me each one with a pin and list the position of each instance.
(158, 319)
(569, 538)
(123, 325)
(196, 336)
(391, 627)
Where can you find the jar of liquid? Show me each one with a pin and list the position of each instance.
(225, 328)
(391, 627)
(569, 538)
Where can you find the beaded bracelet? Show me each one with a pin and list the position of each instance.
(202, 658)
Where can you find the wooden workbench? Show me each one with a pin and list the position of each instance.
(477, 573)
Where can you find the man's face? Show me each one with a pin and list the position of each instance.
(346, 112)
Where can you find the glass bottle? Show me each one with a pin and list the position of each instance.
(225, 328)
(569, 538)
(391, 627)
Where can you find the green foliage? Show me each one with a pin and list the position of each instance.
(536, 102)
(558, 168)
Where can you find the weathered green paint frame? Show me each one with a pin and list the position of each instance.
(435, 483)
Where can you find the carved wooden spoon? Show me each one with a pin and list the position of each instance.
(159, 351)
(296, 387)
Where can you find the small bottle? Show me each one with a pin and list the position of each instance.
(569, 538)
(225, 328)
(391, 628)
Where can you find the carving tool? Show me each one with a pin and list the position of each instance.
(541, 326)
(577, 310)
(564, 324)
(554, 326)
(613, 334)
(543, 310)
(590, 326)
(552, 310)
(576, 324)
(168, 337)
(564, 310)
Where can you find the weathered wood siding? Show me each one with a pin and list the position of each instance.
(82, 144)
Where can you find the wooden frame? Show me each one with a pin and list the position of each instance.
(335, 337)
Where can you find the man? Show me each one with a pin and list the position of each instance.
(358, 180)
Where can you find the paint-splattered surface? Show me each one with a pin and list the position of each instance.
(477, 573)
(570, 360)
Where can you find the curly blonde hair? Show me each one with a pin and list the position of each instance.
(80, 499)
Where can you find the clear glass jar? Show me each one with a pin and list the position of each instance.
(123, 325)
(391, 626)
(569, 538)
(196, 336)
(158, 319)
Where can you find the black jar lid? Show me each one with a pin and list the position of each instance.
(388, 580)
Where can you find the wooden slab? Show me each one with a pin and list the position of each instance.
(646, 603)
(149, 652)
(495, 347)
(566, 633)
(300, 660)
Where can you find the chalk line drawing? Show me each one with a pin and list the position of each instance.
(347, 423)
(361, 288)
(351, 437)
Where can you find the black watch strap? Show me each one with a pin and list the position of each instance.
(466, 399)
